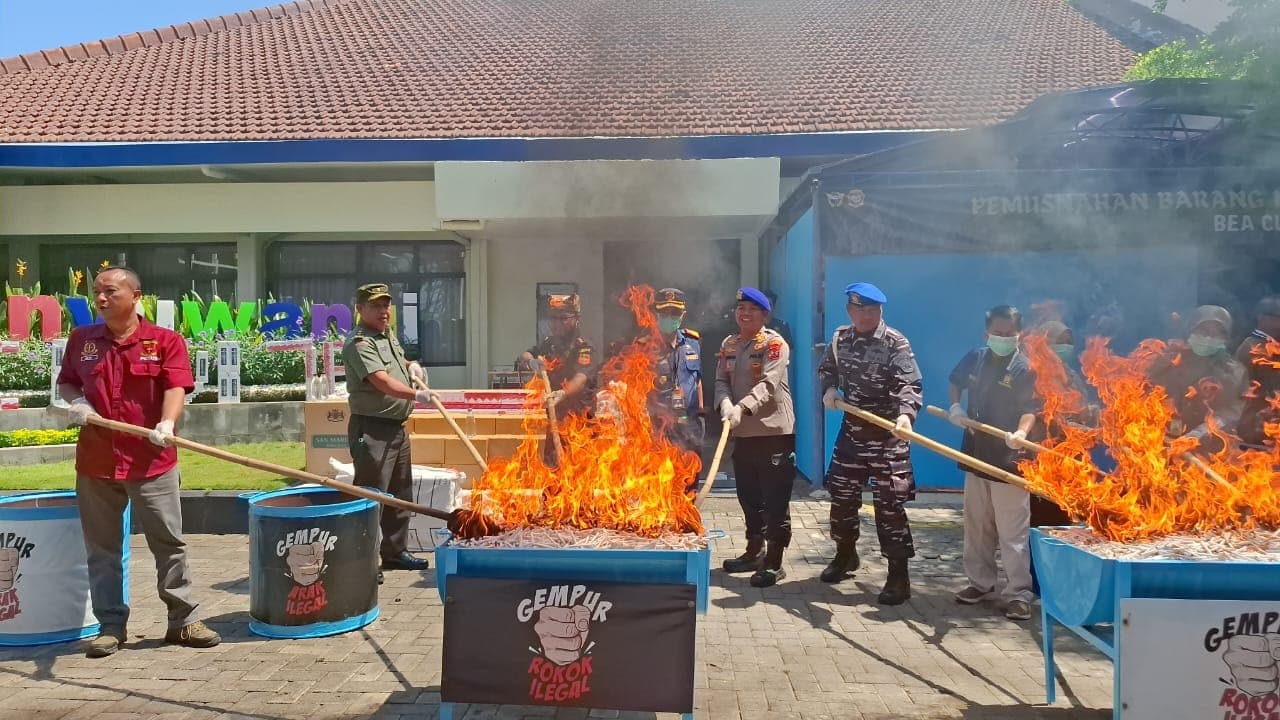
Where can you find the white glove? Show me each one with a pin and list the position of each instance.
(731, 413)
(1015, 439)
(554, 397)
(419, 373)
(830, 397)
(162, 434)
(901, 427)
(425, 396)
(78, 412)
(956, 415)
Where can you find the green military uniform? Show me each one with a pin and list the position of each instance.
(375, 434)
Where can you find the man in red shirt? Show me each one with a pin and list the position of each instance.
(130, 370)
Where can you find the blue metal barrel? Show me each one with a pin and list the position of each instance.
(44, 576)
(313, 562)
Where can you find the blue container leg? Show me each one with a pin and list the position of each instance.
(446, 711)
(1046, 647)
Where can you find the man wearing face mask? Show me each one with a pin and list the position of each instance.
(1200, 376)
(755, 399)
(566, 356)
(1001, 392)
(1044, 511)
(679, 383)
(872, 364)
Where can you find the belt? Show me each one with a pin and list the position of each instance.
(379, 420)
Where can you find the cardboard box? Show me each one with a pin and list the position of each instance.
(426, 450)
(325, 434)
(456, 452)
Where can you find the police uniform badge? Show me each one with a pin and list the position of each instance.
(584, 356)
(775, 350)
(150, 350)
(1007, 380)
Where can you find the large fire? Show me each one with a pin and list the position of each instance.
(618, 471)
(1158, 486)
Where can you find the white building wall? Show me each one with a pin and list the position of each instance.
(515, 269)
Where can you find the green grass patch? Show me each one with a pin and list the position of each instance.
(199, 472)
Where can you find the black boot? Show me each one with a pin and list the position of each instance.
(771, 570)
(845, 562)
(898, 587)
(748, 561)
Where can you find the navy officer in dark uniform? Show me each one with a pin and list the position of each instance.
(873, 365)
(567, 357)
(679, 371)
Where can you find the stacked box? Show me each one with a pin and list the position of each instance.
(228, 371)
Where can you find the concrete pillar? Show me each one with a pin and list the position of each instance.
(750, 253)
(251, 276)
(477, 269)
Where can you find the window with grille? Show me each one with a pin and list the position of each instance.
(427, 279)
(167, 270)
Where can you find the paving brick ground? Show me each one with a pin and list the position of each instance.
(801, 649)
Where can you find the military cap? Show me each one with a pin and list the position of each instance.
(372, 291)
(753, 295)
(1212, 313)
(564, 304)
(864, 293)
(669, 298)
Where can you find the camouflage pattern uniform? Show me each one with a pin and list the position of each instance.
(878, 373)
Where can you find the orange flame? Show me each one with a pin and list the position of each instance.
(619, 471)
(1156, 488)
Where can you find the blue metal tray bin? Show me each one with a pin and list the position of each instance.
(1083, 591)
(691, 567)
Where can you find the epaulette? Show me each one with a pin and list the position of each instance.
(693, 333)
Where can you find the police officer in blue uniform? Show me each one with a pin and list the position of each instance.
(678, 388)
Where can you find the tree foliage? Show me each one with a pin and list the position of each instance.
(1246, 46)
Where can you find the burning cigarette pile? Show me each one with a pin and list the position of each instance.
(618, 473)
(1158, 488)
(1224, 545)
(592, 539)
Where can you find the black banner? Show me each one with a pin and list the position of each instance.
(569, 643)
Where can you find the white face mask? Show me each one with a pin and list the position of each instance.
(1001, 345)
(1205, 346)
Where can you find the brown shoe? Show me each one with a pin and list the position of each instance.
(196, 635)
(107, 643)
(1018, 610)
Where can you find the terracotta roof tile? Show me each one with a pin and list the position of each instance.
(539, 68)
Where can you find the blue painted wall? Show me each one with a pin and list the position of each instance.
(792, 276)
(938, 300)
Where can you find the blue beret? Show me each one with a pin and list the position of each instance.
(862, 293)
(755, 296)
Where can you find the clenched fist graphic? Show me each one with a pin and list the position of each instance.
(305, 562)
(1253, 662)
(563, 632)
(8, 568)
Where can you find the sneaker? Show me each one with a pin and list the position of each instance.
(196, 635)
(1017, 610)
(107, 643)
(971, 595)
